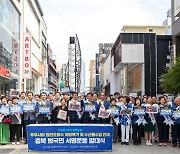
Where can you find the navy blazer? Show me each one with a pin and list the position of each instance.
(30, 115)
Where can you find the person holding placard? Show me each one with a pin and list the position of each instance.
(9, 102)
(4, 121)
(62, 112)
(29, 110)
(160, 122)
(150, 119)
(95, 99)
(74, 109)
(56, 104)
(119, 103)
(102, 107)
(21, 101)
(114, 117)
(89, 110)
(176, 126)
(16, 112)
(138, 121)
(44, 108)
(125, 120)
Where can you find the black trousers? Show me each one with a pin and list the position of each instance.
(176, 134)
(137, 133)
(16, 132)
(162, 128)
(11, 138)
(119, 131)
(167, 133)
(27, 122)
(115, 136)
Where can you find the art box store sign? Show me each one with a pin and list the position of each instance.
(27, 74)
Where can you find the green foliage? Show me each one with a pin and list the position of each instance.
(171, 79)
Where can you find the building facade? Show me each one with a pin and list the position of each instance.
(10, 36)
(138, 62)
(92, 72)
(23, 46)
(71, 60)
(167, 23)
(159, 30)
(83, 77)
(175, 14)
(52, 71)
(74, 64)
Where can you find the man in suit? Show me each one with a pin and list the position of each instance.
(29, 115)
(44, 118)
(89, 110)
(74, 115)
(103, 103)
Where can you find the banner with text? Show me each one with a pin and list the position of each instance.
(70, 137)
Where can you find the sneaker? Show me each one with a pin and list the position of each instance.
(13, 143)
(150, 143)
(18, 143)
(160, 144)
(164, 144)
(147, 142)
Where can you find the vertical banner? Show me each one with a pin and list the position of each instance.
(15, 57)
(45, 71)
(27, 72)
(97, 73)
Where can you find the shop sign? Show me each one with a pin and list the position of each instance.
(27, 72)
(45, 71)
(15, 57)
(4, 72)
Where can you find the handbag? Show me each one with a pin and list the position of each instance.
(6, 120)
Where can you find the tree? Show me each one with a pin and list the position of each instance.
(170, 81)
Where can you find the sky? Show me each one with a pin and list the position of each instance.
(96, 21)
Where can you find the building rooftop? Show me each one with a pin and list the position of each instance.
(140, 26)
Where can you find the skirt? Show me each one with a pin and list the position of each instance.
(149, 127)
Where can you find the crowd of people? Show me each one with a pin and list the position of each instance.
(149, 118)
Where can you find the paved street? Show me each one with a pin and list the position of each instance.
(117, 149)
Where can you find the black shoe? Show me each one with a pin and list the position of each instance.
(138, 143)
(25, 142)
(174, 145)
(119, 140)
(122, 143)
(127, 143)
(114, 141)
(155, 141)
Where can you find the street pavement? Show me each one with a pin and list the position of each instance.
(117, 149)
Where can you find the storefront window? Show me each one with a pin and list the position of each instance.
(9, 33)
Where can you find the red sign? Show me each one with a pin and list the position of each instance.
(15, 57)
(4, 71)
(27, 72)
